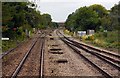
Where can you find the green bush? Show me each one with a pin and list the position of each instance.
(7, 45)
(109, 39)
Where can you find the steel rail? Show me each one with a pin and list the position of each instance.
(42, 57)
(98, 55)
(103, 57)
(14, 75)
(118, 56)
(93, 64)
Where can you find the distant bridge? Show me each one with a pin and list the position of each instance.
(61, 24)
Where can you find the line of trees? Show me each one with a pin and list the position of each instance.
(94, 17)
(17, 17)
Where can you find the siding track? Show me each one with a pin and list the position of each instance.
(107, 61)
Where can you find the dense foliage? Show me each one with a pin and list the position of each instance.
(115, 16)
(100, 19)
(94, 17)
(17, 17)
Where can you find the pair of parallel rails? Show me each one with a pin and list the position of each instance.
(24, 59)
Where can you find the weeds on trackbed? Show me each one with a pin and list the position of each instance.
(101, 39)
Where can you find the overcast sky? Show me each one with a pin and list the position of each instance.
(60, 9)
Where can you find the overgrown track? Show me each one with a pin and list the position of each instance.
(7, 52)
(20, 66)
(75, 45)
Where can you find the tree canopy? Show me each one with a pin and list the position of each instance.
(19, 16)
(115, 16)
(82, 19)
(94, 17)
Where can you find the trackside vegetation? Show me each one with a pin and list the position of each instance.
(19, 18)
(96, 17)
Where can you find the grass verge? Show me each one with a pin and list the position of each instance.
(106, 40)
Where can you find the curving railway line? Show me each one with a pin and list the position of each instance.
(31, 61)
(105, 62)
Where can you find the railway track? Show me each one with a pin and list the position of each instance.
(20, 66)
(9, 51)
(42, 57)
(111, 60)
